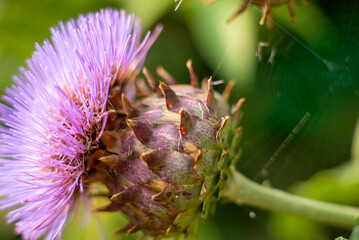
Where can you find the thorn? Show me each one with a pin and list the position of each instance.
(166, 195)
(138, 226)
(170, 96)
(165, 75)
(150, 79)
(111, 160)
(92, 159)
(141, 88)
(210, 94)
(203, 189)
(224, 121)
(194, 78)
(130, 225)
(127, 195)
(238, 106)
(228, 89)
(186, 121)
(142, 129)
(197, 158)
(222, 160)
(204, 84)
(153, 159)
(174, 222)
(127, 105)
(239, 129)
(169, 229)
(112, 207)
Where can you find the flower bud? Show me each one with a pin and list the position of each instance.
(168, 155)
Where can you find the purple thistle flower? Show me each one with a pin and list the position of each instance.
(57, 110)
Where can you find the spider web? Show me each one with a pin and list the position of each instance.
(301, 115)
(305, 99)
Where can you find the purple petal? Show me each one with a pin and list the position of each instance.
(54, 112)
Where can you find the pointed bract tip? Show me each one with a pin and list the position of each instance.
(138, 226)
(127, 105)
(238, 106)
(170, 96)
(203, 190)
(111, 160)
(150, 79)
(152, 159)
(130, 123)
(193, 76)
(168, 78)
(142, 129)
(169, 229)
(223, 124)
(210, 94)
(165, 195)
(130, 225)
(186, 123)
(112, 207)
(227, 91)
(197, 158)
(127, 195)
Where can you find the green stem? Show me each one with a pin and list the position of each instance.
(243, 191)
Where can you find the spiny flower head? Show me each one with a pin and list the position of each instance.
(56, 112)
(165, 160)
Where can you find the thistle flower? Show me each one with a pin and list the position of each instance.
(56, 112)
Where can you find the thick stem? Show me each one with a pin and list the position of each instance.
(243, 191)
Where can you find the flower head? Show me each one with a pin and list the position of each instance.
(56, 112)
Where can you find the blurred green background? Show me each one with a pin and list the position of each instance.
(301, 82)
